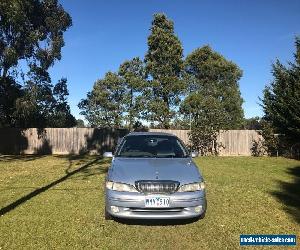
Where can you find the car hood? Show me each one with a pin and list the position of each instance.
(129, 170)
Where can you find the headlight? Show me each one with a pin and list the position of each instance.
(192, 187)
(122, 187)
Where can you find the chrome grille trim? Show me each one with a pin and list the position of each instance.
(157, 186)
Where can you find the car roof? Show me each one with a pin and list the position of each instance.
(150, 133)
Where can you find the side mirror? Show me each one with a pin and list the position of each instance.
(194, 154)
(108, 155)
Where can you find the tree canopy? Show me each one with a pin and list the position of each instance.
(281, 99)
(213, 100)
(164, 65)
(104, 105)
(31, 32)
(209, 74)
(133, 76)
(165, 90)
(151, 88)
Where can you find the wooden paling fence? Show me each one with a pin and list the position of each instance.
(231, 142)
(97, 141)
(59, 140)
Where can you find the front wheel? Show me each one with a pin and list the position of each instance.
(202, 216)
(107, 215)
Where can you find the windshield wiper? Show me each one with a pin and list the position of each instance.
(136, 156)
(165, 156)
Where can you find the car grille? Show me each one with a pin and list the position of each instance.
(157, 186)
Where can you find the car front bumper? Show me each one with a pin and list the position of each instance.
(132, 205)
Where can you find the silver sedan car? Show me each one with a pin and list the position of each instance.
(152, 176)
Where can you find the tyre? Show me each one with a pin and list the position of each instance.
(202, 216)
(107, 215)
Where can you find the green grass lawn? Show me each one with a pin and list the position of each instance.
(57, 202)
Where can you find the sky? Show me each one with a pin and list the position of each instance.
(252, 33)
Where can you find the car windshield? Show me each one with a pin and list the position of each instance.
(158, 146)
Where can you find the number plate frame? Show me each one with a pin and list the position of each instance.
(157, 202)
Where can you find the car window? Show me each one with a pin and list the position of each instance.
(151, 146)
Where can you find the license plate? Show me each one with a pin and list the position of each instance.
(157, 202)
